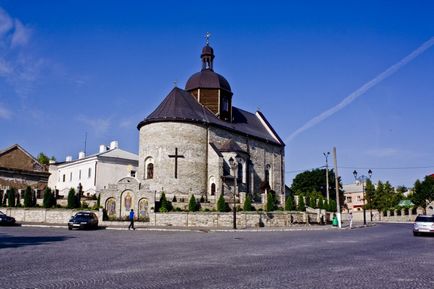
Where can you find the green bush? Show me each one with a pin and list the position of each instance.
(165, 205)
(98, 201)
(192, 204)
(271, 203)
(321, 203)
(28, 194)
(11, 197)
(312, 202)
(49, 199)
(289, 204)
(301, 206)
(84, 205)
(332, 206)
(247, 204)
(221, 204)
(72, 199)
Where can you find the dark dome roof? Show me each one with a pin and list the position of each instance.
(207, 79)
(207, 50)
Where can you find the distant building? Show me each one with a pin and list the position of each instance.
(19, 169)
(93, 172)
(353, 194)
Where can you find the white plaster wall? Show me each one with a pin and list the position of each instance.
(111, 173)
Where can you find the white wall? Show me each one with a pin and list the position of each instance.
(111, 172)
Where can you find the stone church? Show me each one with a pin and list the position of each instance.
(197, 142)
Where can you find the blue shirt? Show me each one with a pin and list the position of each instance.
(131, 215)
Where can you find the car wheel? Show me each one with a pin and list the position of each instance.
(69, 228)
(415, 234)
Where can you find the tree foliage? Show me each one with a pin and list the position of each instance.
(301, 205)
(49, 200)
(247, 207)
(28, 197)
(73, 200)
(11, 197)
(192, 204)
(165, 205)
(289, 204)
(271, 202)
(221, 204)
(423, 192)
(315, 181)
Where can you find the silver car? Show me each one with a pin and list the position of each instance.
(423, 225)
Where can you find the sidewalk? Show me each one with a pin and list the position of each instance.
(140, 227)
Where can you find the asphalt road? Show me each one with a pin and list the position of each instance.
(385, 256)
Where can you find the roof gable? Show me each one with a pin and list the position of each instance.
(15, 157)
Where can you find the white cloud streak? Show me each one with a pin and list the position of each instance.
(4, 112)
(99, 126)
(363, 89)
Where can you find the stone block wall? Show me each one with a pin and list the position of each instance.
(40, 215)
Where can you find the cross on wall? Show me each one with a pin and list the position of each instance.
(176, 157)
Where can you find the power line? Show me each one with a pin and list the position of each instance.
(365, 168)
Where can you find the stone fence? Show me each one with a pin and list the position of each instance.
(180, 219)
(41, 215)
(402, 215)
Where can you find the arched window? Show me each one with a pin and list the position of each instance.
(240, 172)
(212, 189)
(150, 171)
(267, 174)
(149, 168)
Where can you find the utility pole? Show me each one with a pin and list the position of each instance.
(338, 206)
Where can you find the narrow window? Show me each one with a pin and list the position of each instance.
(64, 178)
(70, 176)
(133, 173)
(79, 174)
(212, 189)
(150, 171)
(240, 172)
(89, 173)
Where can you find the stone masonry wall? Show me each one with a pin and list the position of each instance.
(39, 215)
(159, 140)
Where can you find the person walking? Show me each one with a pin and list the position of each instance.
(131, 220)
(350, 218)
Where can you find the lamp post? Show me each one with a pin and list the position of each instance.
(363, 179)
(326, 155)
(234, 166)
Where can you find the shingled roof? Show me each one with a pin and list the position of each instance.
(181, 106)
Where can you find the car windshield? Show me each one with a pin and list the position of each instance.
(425, 219)
(82, 217)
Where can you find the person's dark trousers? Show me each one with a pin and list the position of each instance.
(131, 224)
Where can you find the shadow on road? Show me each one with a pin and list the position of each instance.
(15, 242)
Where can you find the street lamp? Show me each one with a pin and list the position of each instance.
(363, 179)
(234, 167)
(326, 155)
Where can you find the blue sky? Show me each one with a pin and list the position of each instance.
(70, 67)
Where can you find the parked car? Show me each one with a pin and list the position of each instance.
(6, 220)
(83, 220)
(423, 224)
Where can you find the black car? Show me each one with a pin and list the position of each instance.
(6, 220)
(83, 220)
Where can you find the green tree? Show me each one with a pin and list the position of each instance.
(72, 199)
(271, 202)
(192, 204)
(11, 197)
(332, 207)
(98, 201)
(18, 202)
(221, 204)
(423, 192)
(301, 205)
(49, 199)
(312, 202)
(165, 205)
(43, 158)
(321, 202)
(315, 181)
(289, 204)
(28, 194)
(247, 207)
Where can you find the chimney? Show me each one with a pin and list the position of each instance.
(102, 148)
(68, 158)
(114, 144)
(81, 155)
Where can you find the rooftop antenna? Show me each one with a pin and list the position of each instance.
(207, 36)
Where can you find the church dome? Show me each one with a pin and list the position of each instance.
(207, 78)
